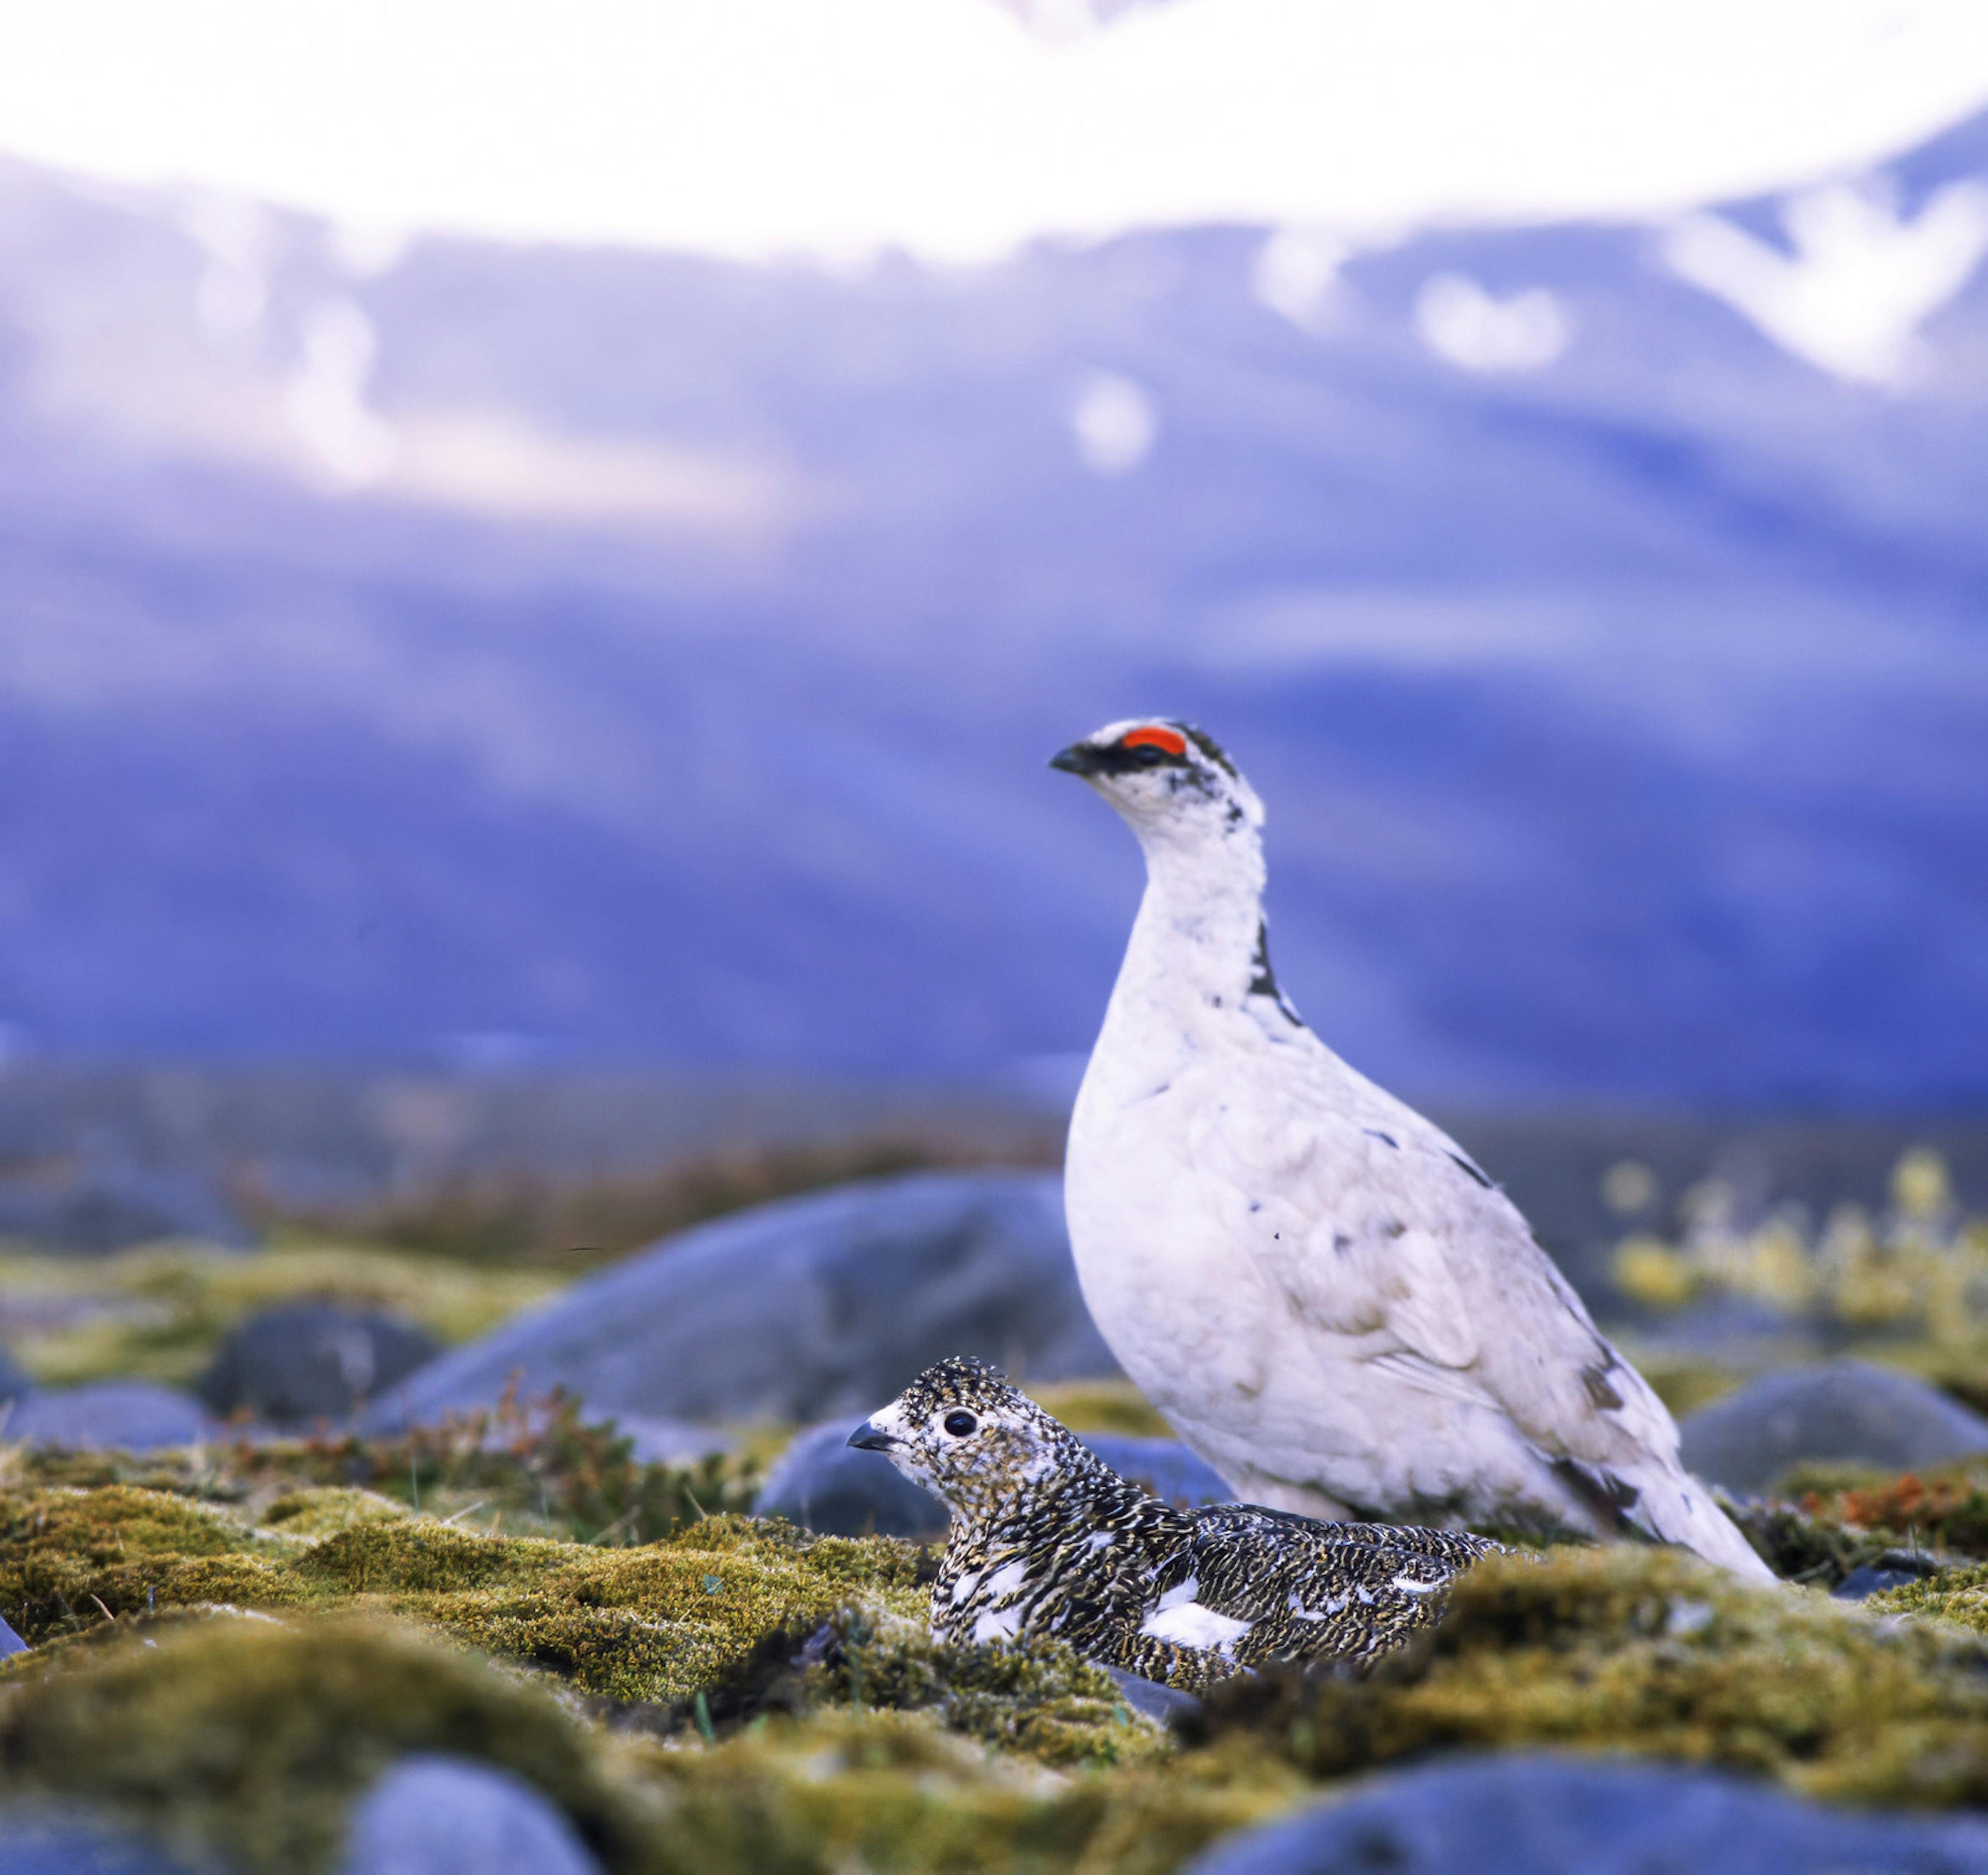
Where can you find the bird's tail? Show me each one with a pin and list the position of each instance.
(1674, 1507)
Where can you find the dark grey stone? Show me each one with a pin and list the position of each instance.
(1861, 1584)
(821, 1483)
(1844, 1410)
(132, 1416)
(435, 1816)
(1528, 1815)
(1165, 1467)
(820, 1304)
(36, 1840)
(104, 1201)
(1152, 1699)
(302, 1362)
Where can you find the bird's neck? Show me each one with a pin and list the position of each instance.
(1082, 1493)
(1198, 944)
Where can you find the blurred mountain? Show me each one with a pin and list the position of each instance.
(447, 648)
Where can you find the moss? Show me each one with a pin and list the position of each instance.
(658, 1623)
(251, 1739)
(1957, 1594)
(1103, 1406)
(1652, 1652)
(327, 1510)
(892, 1793)
(159, 1312)
(535, 1467)
(1944, 1508)
(1040, 1699)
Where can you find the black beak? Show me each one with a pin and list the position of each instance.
(1079, 758)
(870, 1437)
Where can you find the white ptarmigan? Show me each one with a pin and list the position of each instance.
(1319, 1290)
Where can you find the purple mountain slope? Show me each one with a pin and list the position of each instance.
(656, 657)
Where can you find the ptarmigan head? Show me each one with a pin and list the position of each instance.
(975, 1443)
(1170, 780)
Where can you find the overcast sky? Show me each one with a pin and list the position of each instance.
(753, 128)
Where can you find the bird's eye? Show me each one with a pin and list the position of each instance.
(960, 1424)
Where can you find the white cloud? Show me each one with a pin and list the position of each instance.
(754, 127)
(1460, 322)
(238, 236)
(325, 399)
(1295, 272)
(1114, 424)
(1861, 283)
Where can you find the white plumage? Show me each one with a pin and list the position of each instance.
(1326, 1297)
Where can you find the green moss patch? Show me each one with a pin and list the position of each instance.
(1955, 1595)
(1650, 1652)
(252, 1738)
(229, 1645)
(658, 1623)
(159, 1312)
(536, 1467)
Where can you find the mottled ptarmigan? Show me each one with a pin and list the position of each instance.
(1046, 1538)
(1323, 1293)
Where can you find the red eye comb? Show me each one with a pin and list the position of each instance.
(1171, 741)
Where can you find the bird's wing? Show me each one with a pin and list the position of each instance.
(1297, 1590)
(1380, 1229)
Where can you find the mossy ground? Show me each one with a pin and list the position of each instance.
(1653, 1653)
(158, 1313)
(230, 1645)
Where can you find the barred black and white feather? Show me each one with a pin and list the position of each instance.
(1046, 1538)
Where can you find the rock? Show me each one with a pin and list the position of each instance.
(1845, 1410)
(821, 1483)
(1861, 1584)
(820, 1304)
(1152, 1699)
(132, 1416)
(105, 1201)
(1165, 1467)
(10, 1642)
(1526, 1815)
(432, 1816)
(54, 1841)
(303, 1361)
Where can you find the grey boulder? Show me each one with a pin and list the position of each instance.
(131, 1416)
(1165, 1467)
(435, 1815)
(107, 1202)
(1153, 1699)
(1847, 1409)
(300, 1362)
(827, 1303)
(1528, 1815)
(823, 1484)
(36, 1840)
